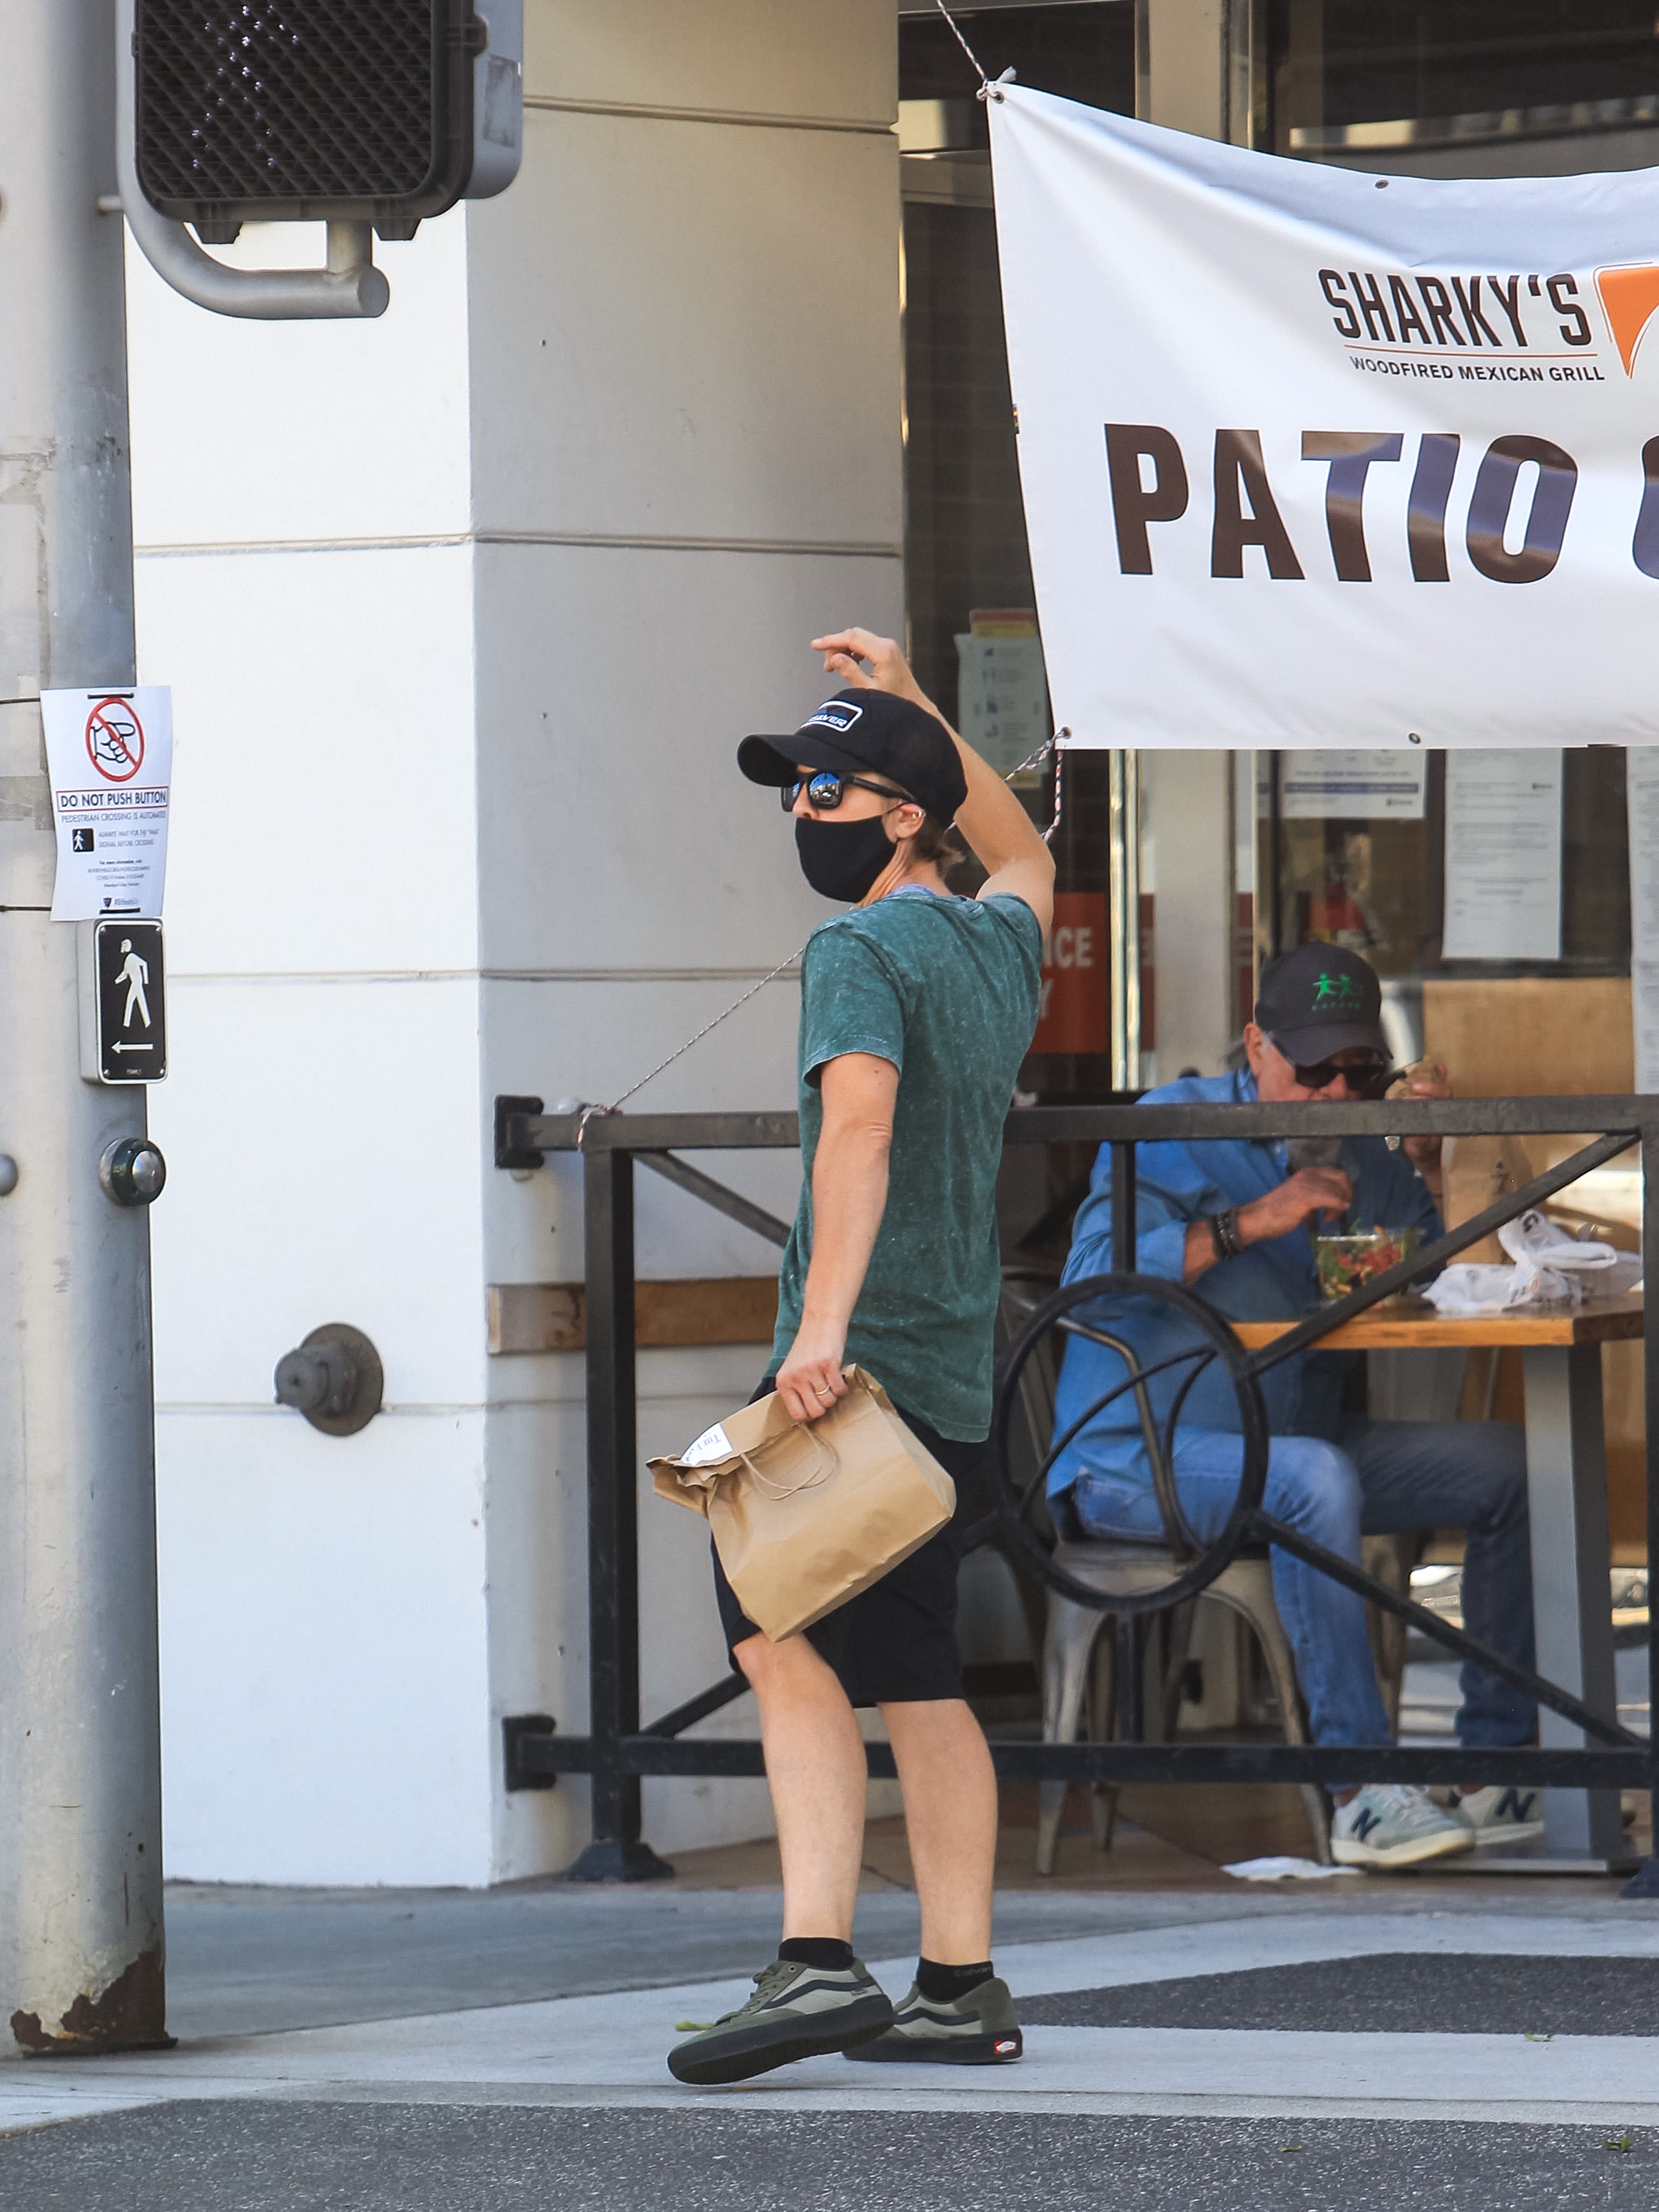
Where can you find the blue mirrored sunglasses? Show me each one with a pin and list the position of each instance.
(826, 790)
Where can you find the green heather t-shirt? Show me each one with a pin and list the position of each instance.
(946, 988)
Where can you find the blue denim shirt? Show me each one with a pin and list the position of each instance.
(1177, 1184)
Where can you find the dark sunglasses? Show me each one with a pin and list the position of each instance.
(826, 790)
(1367, 1079)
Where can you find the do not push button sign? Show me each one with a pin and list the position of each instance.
(1073, 1004)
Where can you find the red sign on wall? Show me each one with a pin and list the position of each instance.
(1074, 976)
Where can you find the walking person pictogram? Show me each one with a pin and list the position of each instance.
(134, 972)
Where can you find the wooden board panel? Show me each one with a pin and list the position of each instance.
(553, 1317)
(1605, 1321)
(1531, 1037)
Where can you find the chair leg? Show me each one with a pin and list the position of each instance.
(1390, 1560)
(1032, 1596)
(1102, 1728)
(1269, 1633)
(1180, 1634)
(1065, 1649)
(1282, 1667)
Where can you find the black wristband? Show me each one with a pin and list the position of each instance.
(1224, 1238)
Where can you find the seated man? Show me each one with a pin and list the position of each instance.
(1235, 1218)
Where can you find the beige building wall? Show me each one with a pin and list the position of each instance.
(686, 463)
(465, 612)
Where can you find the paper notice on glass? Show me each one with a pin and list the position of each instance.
(1002, 698)
(1353, 785)
(1503, 855)
(110, 757)
(1642, 786)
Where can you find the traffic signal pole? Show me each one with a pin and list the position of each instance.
(81, 1956)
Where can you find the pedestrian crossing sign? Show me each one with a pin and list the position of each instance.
(123, 1037)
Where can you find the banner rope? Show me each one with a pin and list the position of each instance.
(1054, 745)
(988, 89)
(985, 92)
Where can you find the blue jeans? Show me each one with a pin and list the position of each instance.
(1383, 1478)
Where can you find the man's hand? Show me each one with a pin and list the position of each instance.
(1427, 1079)
(809, 1380)
(845, 650)
(1309, 1191)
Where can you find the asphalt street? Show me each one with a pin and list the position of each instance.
(401, 2052)
(237, 2157)
(1394, 1990)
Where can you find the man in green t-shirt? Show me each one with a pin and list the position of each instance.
(917, 1009)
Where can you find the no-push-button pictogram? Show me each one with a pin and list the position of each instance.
(115, 740)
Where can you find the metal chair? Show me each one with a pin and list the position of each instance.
(1073, 1630)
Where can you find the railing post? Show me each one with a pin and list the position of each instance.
(617, 1853)
(1123, 1209)
(1645, 1881)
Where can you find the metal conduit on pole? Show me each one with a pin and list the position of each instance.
(80, 1931)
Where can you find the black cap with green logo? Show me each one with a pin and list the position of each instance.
(1321, 999)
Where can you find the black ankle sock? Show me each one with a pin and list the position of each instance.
(818, 1951)
(945, 1984)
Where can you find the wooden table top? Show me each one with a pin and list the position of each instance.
(1418, 1326)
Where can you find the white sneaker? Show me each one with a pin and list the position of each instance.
(1388, 1825)
(1499, 1816)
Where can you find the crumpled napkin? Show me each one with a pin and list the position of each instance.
(1279, 1869)
(1549, 1269)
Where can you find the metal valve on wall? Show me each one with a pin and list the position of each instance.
(334, 1378)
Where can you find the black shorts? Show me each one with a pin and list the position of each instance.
(896, 1642)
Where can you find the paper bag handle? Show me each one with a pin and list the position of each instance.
(774, 1489)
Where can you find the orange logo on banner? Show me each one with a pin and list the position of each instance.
(1629, 297)
(1073, 1015)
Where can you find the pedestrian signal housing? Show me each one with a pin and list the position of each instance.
(300, 110)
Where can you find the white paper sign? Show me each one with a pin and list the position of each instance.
(110, 757)
(1502, 856)
(1313, 456)
(1642, 786)
(1002, 698)
(1353, 785)
(1644, 1013)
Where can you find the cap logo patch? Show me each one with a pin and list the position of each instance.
(834, 714)
(1335, 990)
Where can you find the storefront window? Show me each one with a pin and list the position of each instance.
(971, 605)
(1346, 76)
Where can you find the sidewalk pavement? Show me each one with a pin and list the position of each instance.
(1433, 2045)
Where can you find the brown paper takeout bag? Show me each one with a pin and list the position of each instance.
(1475, 1172)
(803, 1517)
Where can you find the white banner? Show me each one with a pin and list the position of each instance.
(1315, 458)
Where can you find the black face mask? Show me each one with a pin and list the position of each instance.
(842, 860)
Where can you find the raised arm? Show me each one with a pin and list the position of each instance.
(996, 826)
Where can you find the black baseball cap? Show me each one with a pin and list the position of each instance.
(867, 732)
(1320, 999)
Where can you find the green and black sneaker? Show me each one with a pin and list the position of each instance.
(980, 2029)
(796, 2012)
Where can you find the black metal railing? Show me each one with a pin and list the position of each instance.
(617, 1750)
